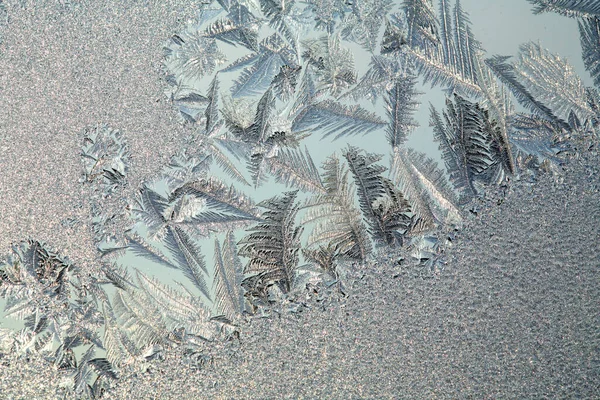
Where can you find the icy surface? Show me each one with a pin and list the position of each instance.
(478, 280)
(514, 314)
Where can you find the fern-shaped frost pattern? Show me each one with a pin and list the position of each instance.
(229, 296)
(338, 223)
(383, 206)
(273, 245)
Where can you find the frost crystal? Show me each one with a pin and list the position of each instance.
(191, 258)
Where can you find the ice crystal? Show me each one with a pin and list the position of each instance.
(105, 156)
(252, 117)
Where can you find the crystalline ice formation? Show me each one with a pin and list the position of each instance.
(310, 244)
(105, 156)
